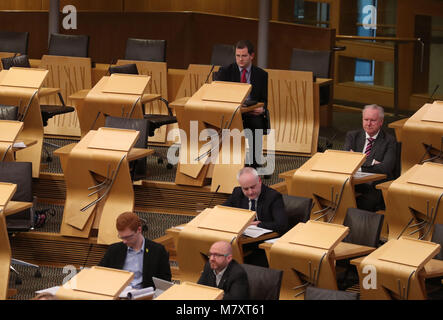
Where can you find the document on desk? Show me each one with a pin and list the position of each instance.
(19, 145)
(255, 232)
(136, 294)
(51, 290)
(271, 241)
(360, 174)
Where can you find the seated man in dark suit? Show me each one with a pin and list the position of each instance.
(145, 258)
(380, 149)
(244, 71)
(268, 205)
(223, 272)
(266, 202)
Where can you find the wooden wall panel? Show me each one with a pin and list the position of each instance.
(244, 8)
(186, 33)
(21, 4)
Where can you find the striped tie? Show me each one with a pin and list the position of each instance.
(369, 147)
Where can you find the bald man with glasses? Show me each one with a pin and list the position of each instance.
(135, 253)
(223, 272)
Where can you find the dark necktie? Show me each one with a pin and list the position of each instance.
(243, 76)
(252, 205)
(369, 147)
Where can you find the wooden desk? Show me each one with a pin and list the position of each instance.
(175, 231)
(432, 269)
(134, 153)
(343, 250)
(16, 206)
(44, 92)
(398, 126)
(287, 175)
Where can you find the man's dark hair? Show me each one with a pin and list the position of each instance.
(245, 44)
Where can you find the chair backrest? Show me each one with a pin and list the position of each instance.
(8, 112)
(437, 237)
(314, 293)
(68, 45)
(365, 227)
(141, 125)
(17, 61)
(264, 283)
(298, 209)
(222, 54)
(16, 42)
(397, 167)
(19, 173)
(316, 61)
(145, 50)
(126, 69)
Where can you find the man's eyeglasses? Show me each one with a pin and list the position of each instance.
(217, 255)
(127, 237)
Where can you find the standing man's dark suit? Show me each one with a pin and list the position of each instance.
(259, 93)
(384, 151)
(155, 261)
(270, 207)
(234, 281)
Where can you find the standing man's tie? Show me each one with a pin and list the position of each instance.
(243, 75)
(369, 147)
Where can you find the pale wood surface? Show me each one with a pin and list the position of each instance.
(191, 291)
(408, 203)
(399, 264)
(293, 110)
(32, 122)
(70, 74)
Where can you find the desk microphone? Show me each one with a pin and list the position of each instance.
(212, 68)
(433, 92)
(213, 196)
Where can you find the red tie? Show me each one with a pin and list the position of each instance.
(369, 147)
(243, 76)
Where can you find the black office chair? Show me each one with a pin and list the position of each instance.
(68, 45)
(364, 229)
(314, 293)
(264, 283)
(151, 50)
(145, 50)
(20, 173)
(222, 54)
(16, 61)
(317, 61)
(15, 42)
(8, 112)
(125, 69)
(297, 208)
(138, 167)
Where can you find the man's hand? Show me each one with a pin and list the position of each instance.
(254, 223)
(376, 162)
(257, 111)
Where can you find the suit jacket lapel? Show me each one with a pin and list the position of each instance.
(377, 143)
(361, 140)
(225, 276)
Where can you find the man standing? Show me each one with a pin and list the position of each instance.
(244, 71)
(266, 202)
(380, 149)
(223, 272)
(137, 254)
